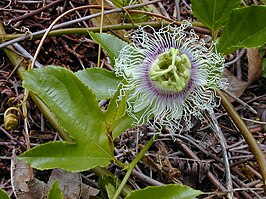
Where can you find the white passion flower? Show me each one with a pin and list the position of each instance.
(171, 76)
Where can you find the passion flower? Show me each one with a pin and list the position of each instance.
(170, 75)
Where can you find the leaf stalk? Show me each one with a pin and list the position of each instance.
(132, 165)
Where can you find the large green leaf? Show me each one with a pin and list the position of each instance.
(102, 82)
(246, 28)
(213, 13)
(3, 194)
(172, 191)
(110, 43)
(55, 192)
(76, 109)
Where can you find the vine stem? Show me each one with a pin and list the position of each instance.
(68, 31)
(253, 145)
(131, 166)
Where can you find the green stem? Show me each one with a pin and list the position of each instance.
(253, 145)
(84, 31)
(132, 165)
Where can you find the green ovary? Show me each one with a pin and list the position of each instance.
(171, 71)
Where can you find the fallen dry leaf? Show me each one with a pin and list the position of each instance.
(69, 183)
(24, 184)
(110, 19)
(254, 65)
(235, 86)
(88, 191)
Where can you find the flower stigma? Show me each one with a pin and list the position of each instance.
(171, 70)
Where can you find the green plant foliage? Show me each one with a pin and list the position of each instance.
(115, 111)
(3, 194)
(213, 13)
(102, 82)
(55, 192)
(107, 186)
(246, 28)
(76, 109)
(122, 2)
(124, 123)
(171, 191)
(110, 43)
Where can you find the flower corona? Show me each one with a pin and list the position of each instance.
(171, 76)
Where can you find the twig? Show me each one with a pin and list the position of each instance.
(254, 121)
(146, 179)
(79, 15)
(236, 58)
(24, 52)
(236, 182)
(219, 133)
(163, 10)
(11, 137)
(177, 10)
(240, 101)
(15, 19)
(211, 177)
(254, 147)
(76, 21)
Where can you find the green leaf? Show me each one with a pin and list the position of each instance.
(3, 194)
(102, 82)
(110, 43)
(172, 191)
(213, 13)
(124, 123)
(115, 112)
(110, 190)
(246, 28)
(55, 192)
(107, 186)
(77, 111)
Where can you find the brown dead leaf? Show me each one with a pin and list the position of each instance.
(254, 65)
(69, 183)
(235, 86)
(110, 19)
(24, 184)
(88, 191)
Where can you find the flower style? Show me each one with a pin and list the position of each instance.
(171, 75)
